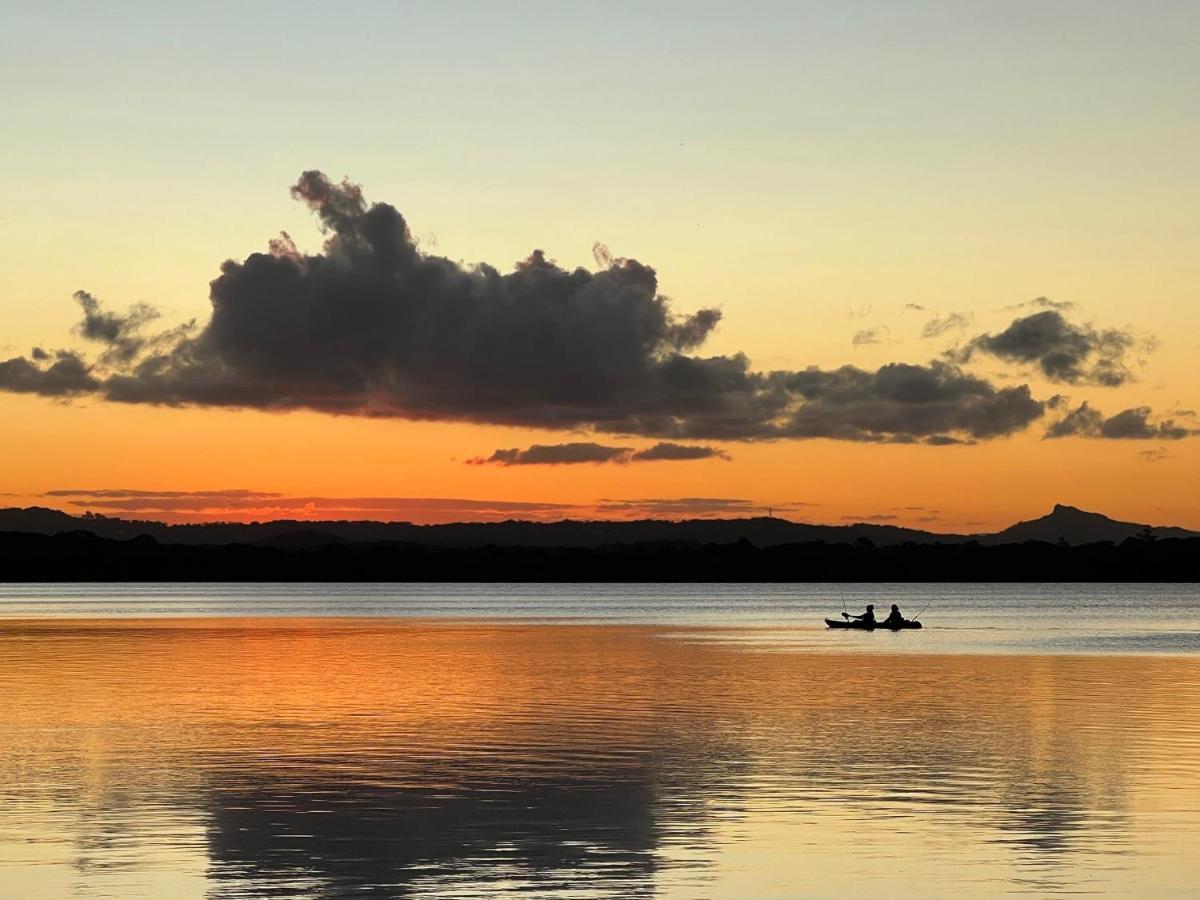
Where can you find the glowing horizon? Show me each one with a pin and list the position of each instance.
(885, 193)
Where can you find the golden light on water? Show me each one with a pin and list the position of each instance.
(236, 756)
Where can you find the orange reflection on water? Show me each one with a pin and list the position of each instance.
(257, 757)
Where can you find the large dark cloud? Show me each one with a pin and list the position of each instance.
(1062, 351)
(1129, 424)
(589, 452)
(372, 326)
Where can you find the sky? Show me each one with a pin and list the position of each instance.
(925, 263)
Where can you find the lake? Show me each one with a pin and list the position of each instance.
(229, 741)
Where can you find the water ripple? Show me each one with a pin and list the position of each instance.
(327, 757)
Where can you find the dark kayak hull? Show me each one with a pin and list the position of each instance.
(842, 623)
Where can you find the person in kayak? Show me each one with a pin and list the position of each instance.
(894, 619)
(867, 618)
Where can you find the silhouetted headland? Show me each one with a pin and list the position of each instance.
(1067, 545)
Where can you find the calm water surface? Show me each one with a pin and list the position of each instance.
(596, 741)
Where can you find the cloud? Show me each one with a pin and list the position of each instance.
(689, 507)
(58, 374)
(939, 325)
(1063, 352)
(1156, 455)
(372, 326)
(666, 450)
(915, 307)
(138, 496)
(901, 402)
(1044, 303)
(877, 517)
(239, 504)
(1129, 424)
(121, 335)
(246, 505)
(587, 452)
(555, 454)
(944, 440)
(868, 336)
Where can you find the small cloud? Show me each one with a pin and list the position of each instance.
(679, 507)
(877, 517)
(945, 440)
(61, 373)
(587, 452)
(939, 325)
(1047, 303)
(915, 307)
(868, 336)
(554, 455)
(1061, 351)
(1156, 455)
(1042, 303)
(248, 505)
(666, 450)
(1129, 424)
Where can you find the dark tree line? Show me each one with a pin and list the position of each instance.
(81, 556)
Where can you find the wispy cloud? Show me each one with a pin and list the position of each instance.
(243, 505)
(680, 507)
(868, 336)
(939, 325)
(240, 505)
(1156, 455)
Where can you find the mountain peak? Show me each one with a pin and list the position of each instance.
(1073, 525)
(1062, 509)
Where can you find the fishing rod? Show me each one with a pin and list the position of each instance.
(845, 610)
(923, 608)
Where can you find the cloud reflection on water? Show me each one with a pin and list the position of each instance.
(375, 758)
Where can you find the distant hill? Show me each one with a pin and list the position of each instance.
(762, 531)
(1065, 523)
(1076, 526)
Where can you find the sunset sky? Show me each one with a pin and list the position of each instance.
(1000, 197)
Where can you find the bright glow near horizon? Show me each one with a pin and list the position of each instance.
(808, 169)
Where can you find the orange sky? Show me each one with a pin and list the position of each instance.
(813, 177)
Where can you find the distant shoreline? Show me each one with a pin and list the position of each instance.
(84, 557)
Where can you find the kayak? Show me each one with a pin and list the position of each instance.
(862, 626)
